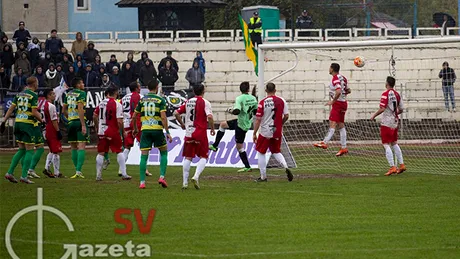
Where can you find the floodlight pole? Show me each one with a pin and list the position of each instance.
(261, 68)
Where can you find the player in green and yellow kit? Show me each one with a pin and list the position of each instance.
(78, 132)
(245, 107)
(25, 104)
(152, 109)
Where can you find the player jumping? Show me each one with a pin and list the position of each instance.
(52, 135)
(25, 104)
(338, 90)
(391, 106)
(271, 115)
(198, 113)
(108, 117)
(129, 103)
(245, 107)
(152, 109)
(74, 111)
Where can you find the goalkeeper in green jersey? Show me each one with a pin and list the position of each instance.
(245, 107)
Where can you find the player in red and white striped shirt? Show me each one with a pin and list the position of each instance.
(338, 90)
(271, 115)
(391, 106)
(198, 114)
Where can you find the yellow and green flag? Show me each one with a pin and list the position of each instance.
(251, 51)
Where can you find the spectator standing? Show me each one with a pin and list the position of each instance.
(90, 54)
(69, 76)
(99, 74)
(79, 45)
(3, 41)
(59, 69)
(66, 62)
(20, 50)
(34, 50)
(2, 34)
(24, 64)
(5, 80)
(194, 75)
(40, 76)
(97, 64)
(7, 58)
(129, 60)
(63, 52)
(82, 61)
(448, 79)
(148, 73)
(80, 69)
(45, 62)
(168, 77)
(115, 77)
(105, 81)
(19, 81)
(255, 29)
(90, 77)
(52, 76)
(201, 62)
(111, 64)
(127, 75)
(42, 52)
(170, 58)
(304, 21)
(53, 44)
(22, 35)
(141, 62)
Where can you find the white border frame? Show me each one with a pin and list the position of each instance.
(76, 9)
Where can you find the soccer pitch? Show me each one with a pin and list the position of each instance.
(318, 215)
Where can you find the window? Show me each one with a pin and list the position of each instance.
(82, 5)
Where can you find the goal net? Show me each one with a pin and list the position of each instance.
(429, 131)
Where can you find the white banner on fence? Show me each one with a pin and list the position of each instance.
(226, 155)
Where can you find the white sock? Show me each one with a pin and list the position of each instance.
(221, 129)
(186, 171)
(126, 154)
(99, 163)
(280, 158)
(329, 135)
(343, 137)
(199, 168)
(49, 160)
(121, 163)
(389, 154)
(57, 164)
(262, 165)
(398, 153)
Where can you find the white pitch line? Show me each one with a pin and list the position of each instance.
(277, 190)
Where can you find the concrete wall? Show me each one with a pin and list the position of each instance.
(103, 15)
(42, 15)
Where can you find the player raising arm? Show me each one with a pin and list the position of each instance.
(25, 104)
(152, 109)
(391, 106)
(198, 113)
(271, 115)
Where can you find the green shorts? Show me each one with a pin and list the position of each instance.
(38, 136)
(24, 133)
(74, 133)
(155, 137)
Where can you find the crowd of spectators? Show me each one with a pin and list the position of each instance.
(54, 65)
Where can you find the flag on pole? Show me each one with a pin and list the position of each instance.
(251, 51)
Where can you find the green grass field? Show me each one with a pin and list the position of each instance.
(318, 215)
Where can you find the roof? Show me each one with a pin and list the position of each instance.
(140, 3)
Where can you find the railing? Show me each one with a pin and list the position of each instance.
(269, 35)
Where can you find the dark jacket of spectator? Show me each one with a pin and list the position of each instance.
(24, 64)
(60, 70)
(141, 62)
(173, 62)
(34, 51)
(69, 76)
(97, 64)
(115, 76)
(7, 56)
(62, 53)
(90, 77)
(105, 81)
(19, 81)
(148, 72)
(194, 75)
(89, 55)
(52, 76)
(3, 42)
(40, 76)
(127, 75)
(168, 76)
(448, 76)
(100, 73)
(21, 48)
(80, 70)
(304, 21)
(22, 35)
(79, 45)
(129, 60)
(54, 45)
(66, 63)
(201, 62)
(44, 63)
(112, 63)
(5, 81)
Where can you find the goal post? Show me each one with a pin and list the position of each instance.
(429, 136)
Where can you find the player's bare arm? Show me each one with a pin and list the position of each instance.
(134, 118)
(81, 116)
(179, 119)
(37, 115)
(285, 118)
(256, 128)
(120, 126)
(65, 110)
(96, 122)
(380, 111)
(338, 92)
(164, 121)
(211, 124)
(7, 116)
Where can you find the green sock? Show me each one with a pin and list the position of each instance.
(106, 156)
(81, 159)
(75, 157)
(36, 158)
(26, 162)
(163, 162)
(16, 158)
(143, 166)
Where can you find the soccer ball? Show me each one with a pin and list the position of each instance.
(359, 61)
